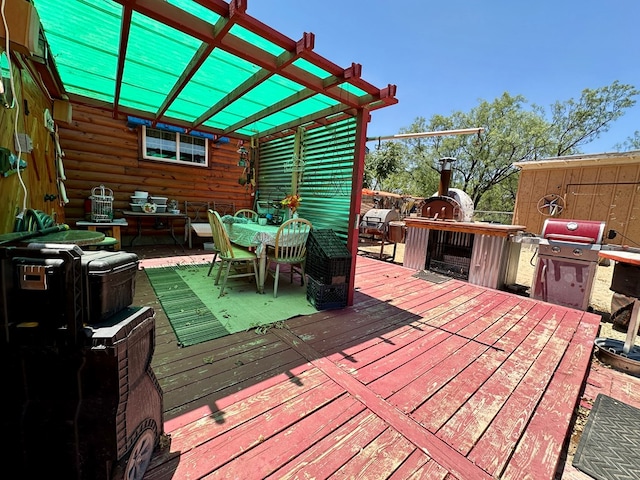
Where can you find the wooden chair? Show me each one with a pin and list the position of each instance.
(196, 219)
(224, 207)
(248, 214)
(230, 255)
(291, 249)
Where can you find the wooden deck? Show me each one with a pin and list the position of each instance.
(415, 380)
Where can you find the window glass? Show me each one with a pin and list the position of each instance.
(174, 147)
(193, 149)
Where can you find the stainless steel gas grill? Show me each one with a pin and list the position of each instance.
(567, 261)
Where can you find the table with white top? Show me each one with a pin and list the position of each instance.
(258, 236)
(625, 280)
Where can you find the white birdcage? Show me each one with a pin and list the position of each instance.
(101, 204)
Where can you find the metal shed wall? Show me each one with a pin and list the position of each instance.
(594, 187)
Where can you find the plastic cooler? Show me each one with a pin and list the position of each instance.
(109, 283)
(41, 281)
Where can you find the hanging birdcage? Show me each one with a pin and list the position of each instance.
(101, 204)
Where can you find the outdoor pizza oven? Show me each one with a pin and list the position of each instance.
(448, 204)
(444, 239)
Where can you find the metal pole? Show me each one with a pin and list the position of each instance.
(401, 136)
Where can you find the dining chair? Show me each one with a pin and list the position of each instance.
(230, 255)
(248, 214)
(291, 249)
(223, 207)
(196, 215)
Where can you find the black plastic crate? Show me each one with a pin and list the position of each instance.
(326, 297)
(328, 259)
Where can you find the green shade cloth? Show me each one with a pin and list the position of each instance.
(190, 301)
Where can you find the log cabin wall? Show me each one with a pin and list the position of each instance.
(39, 176)
(101, 150)
(603, 187)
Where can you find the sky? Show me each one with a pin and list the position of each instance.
(449, 56)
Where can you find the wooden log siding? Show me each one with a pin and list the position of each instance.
(102, 150)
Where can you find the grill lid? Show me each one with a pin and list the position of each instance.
(577, 231)
(377, 216)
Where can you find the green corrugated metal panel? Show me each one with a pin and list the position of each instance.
(326, 182)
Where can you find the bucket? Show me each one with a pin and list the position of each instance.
(396, 232)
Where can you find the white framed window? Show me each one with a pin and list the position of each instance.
(174, 147)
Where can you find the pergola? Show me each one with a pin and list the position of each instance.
(197, 64)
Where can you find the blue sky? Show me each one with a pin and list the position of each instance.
(448, 56)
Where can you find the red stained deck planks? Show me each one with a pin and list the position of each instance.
(415, 380)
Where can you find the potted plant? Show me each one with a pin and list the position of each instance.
(292, 202)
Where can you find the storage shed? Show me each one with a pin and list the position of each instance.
(603, 187)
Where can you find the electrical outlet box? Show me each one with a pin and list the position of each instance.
(23, 141)
(24, 28)
(6, 94)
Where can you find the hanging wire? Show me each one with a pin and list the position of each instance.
(20, 215)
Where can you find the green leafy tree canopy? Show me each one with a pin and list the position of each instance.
(514, 131)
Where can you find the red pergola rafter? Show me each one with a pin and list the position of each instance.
(218, 37)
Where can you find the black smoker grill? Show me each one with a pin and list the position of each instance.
(567, 261)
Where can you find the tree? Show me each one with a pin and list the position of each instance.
(631, 143)
(381, 163)
(576, 123)
(513, 132)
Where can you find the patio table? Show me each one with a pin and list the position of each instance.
(624, 356)
(169, 217)
(69, 237)
(254, 235)
(625, 281)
